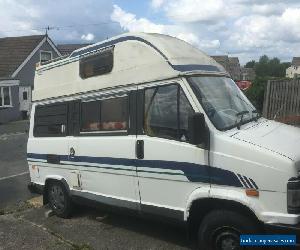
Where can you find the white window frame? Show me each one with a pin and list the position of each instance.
(2, 95)
(46, 51)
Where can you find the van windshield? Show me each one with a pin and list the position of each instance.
(222, 100)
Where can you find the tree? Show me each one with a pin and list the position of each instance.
(250, 64)
(268, 67)
(265, 70)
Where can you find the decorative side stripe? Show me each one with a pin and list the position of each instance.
(253, 183)
(193, 172)
(243, 181)
(247, 182)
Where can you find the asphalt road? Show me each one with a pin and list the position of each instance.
(14, 175)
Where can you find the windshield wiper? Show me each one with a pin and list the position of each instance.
(257, 114)
(242, 113)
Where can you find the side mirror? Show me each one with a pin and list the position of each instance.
(198, 132)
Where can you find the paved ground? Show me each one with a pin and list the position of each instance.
(14, 175)
(85, 231)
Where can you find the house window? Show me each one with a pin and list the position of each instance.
(25, 97)
(45, 56)
(5, 97)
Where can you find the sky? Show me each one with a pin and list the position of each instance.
(243, 28)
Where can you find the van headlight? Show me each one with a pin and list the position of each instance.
(293, 196)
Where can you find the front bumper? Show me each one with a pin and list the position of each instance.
(283, 229)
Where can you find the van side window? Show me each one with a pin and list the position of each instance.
(114, 114)
(50, 120)
(166, 112)
(105, 115)
(95, 65)
(90, 116)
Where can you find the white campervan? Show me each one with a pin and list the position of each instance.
(149, 123)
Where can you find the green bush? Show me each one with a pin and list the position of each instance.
(256, 92)
(266, 69)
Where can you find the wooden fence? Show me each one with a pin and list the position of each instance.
(282, 101)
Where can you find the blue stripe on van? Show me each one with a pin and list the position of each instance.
(193, 172)
(192, 67)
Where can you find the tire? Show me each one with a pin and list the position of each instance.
(59, 199)
(221, 229)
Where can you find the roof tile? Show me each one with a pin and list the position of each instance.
(14, 50)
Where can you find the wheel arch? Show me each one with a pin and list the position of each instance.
(201, 207)
(207, 198)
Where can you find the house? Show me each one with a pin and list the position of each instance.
(223, 60)
(18, 58)
(248, 74)
(67, 49)
(231, 65)
(294, 70)
(235, 68)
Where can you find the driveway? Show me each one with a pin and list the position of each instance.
(14, 175)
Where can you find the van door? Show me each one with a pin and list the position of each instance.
(169, 167)
(104, 151)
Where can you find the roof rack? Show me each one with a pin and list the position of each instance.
(91, 52)
(51, 61)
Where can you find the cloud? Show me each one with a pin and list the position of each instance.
(196, 10)
(157, 3)
(268, 9)
(73, 17)
(246, 28)
(262, 32)
(129, 22)
(88, 37)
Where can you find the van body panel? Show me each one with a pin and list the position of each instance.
(106, 171)
(274, 136)
(170, 173)
(250, 161)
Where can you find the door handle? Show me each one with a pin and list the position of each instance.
(72, 152)
(139, 149)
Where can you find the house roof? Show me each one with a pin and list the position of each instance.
(223, 60)
(14, 50)
(67, 49)
(234, 61)
(235, 68)
(296, 61)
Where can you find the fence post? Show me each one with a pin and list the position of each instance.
(266, 100)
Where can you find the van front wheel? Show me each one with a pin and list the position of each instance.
(221, 230)
(59, 200)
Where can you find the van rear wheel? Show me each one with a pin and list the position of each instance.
(59, 200)
(221, 230)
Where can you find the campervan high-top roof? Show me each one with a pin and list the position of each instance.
(136, 58)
